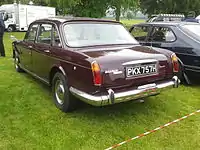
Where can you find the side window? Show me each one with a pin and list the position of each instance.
(162, 34)
(55, 38)
(31, 34)
(44, 34)
(140, 32)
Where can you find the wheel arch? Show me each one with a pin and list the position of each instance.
(53, 71)
(180, 61)
(15, 50)
(13, 26)
(185, 76)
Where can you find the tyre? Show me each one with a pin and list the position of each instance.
(61, 95)
(16, 64)
(180, 73)
(10, 29)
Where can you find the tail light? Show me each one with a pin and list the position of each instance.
(175, 63)
(97, 78)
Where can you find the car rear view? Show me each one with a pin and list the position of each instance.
(121, 68)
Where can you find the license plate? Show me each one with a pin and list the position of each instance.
(134, 71)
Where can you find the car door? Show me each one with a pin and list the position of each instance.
(169, 38)
(162, 37)
(140, 33)
(26, 47)
(42, 51)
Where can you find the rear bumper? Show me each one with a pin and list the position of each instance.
(112, 97)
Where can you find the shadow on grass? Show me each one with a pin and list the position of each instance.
(131, 108)
(82, 107)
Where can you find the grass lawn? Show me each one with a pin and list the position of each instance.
(29, 119)
(131, 22)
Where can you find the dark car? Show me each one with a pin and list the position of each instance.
(183, 38)
(97, 61)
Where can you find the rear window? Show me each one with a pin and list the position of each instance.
(89, 34)
(192, 29)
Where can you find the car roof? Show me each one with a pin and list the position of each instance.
(73, 19)
(169, 23)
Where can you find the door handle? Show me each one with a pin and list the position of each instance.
(30, 46)
(46, 51)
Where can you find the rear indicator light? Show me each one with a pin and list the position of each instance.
(175, 63)
(97, 78)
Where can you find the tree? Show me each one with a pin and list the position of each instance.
(170, 6)
(129, 15)
(123, 5)
(6, 2)
(63, 7)
(36, 2)
(89, 8)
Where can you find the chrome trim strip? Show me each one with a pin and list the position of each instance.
(139, 62)
(112, 98)
(62, 70)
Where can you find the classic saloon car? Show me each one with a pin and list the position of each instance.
(97, 61)
(183, 38)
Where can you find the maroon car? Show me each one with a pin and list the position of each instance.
(96, 61)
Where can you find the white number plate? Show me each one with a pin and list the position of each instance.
(141, 70)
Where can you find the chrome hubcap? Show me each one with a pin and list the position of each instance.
(59, 92)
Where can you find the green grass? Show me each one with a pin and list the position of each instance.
(29, 119)
(129, 23)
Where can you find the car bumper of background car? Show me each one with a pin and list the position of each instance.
(112, 97)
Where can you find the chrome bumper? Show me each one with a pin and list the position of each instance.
(112, 97)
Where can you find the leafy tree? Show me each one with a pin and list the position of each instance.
(36, 2)
(123, 5)
(63, 6)
(6, 2)
(89, 8)
(129, 15)
(170, 6)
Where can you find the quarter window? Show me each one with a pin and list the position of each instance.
(140, 32)
(31, 34)
(55, 38)
(162, 34)
(44, 34)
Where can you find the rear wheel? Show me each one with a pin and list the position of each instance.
(61, 95)
(11, 28)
